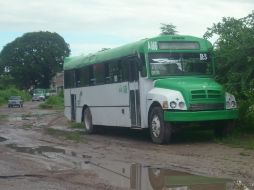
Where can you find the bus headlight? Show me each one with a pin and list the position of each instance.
(233, 104)
(230, 101)
(181, 105)
(173, 104)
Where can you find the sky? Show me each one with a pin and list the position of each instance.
(90, 25)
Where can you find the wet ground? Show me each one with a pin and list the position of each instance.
(39, 150)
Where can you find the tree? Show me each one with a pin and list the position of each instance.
(234, 52)
(34, 58)
(168, 29)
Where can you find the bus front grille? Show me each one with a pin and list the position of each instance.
(200, 107)
(204, 94)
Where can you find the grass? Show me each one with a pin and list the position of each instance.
(53, 102)
(74, 125)
(75, 136)
(238, 140)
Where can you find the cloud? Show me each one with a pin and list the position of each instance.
(128, 20)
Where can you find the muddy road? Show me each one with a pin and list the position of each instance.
(39, 150)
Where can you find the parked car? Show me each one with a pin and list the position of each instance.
(15, 101)
(38, 97)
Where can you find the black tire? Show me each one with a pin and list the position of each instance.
(159, 130)
(224, 128)
(88, 121)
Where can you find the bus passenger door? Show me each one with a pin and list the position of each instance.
(73, 107)
(134, 93)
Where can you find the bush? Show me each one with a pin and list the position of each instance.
(12, 91)
(246, 112)
(53, 102)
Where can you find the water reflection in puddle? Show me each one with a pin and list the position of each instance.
(2, 139)
(36, 150)
(138, 177)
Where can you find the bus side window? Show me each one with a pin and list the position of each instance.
(77, 78)
(114, 72)
(84, 76)
(99, 73)
(107, 77)
(69, 79)
(123, 70)
(142, 65)
(133, 70)
(91, 76)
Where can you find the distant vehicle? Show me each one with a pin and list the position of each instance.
(15, 101)
(41, 92)
(38, 97)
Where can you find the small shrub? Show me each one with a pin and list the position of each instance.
(246, 112)
(53, 102)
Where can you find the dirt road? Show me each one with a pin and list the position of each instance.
(38, 150)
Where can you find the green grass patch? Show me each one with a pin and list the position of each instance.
(75, 136)
(74, 125)
(53, 102)
(238, 140)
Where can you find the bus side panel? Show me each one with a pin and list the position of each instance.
(109, 103)
(113, 116)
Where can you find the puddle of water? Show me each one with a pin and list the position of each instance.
(36, 150)
(139, 177)
(2, 139)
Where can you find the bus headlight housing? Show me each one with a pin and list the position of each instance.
(230, 101)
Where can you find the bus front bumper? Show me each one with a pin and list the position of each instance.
(192, 116)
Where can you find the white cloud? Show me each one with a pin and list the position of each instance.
(132, 19)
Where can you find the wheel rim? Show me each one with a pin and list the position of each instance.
(156, 126)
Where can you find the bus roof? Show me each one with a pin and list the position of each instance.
(129, 49)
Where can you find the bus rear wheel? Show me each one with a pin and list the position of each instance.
(87, 121)
(159, 130)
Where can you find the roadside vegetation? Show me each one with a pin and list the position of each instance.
(12, 91)
(234, 57)
(54, 102)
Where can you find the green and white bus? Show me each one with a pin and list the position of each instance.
(157, 83)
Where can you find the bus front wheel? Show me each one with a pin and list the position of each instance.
(159, 130)
(88, 123)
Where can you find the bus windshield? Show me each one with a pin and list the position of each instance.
(177, 64)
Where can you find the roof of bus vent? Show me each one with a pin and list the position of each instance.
(128, 50)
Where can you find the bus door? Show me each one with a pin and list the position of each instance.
(134, 93)
(73, 107)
